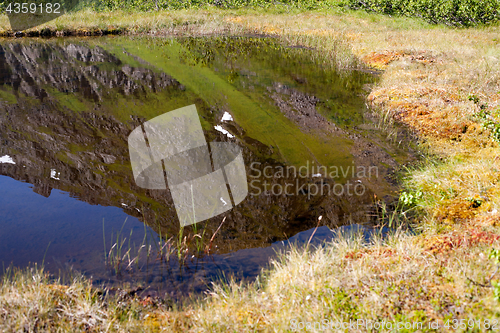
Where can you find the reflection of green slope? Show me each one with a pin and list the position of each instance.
(338, 92)
(269, 127)
(71, 101)
(7, 95)
(148, 106)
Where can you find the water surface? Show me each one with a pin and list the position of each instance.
(68, 197)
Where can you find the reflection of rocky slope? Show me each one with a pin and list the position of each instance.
(72, 69)
(85, 153)
(302, 109)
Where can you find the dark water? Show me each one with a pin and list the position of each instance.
(67, 193)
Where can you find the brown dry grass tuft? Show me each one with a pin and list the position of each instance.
(30, 302)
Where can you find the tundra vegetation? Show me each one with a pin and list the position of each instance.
(440, 79)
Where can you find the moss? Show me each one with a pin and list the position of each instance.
(7, 96)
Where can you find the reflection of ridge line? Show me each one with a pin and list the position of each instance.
(279, 151)
(210, 155)
(165, 175)
(147, 143)
(192, 204)
(138, 59)
(228, 187)
(312, 154)
(226, 180)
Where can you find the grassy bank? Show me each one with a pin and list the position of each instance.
(440, 82)
(397, 281)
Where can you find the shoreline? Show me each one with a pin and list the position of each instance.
(48, 33)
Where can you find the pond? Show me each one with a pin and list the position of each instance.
(312, 153)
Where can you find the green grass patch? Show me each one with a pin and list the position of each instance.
(7, 95)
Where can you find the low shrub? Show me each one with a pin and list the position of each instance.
(451, 12)
(150, 5)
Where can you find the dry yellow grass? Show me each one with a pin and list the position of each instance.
(345, 282)
(391, 282)
(197, 22)
(30, 303)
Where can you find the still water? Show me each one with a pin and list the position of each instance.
(68, 198)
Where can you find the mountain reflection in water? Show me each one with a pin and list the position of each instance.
(68, 195)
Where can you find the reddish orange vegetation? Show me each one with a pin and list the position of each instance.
(433, 122)
(435, 112)
(146, 301)
(57, 288)
(455, 211)
(372, 252)
(433, 108)
(456, 239)
(380, 60)
(488, 220)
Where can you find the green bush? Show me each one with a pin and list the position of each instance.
(451, 12)
(151, 5)
(148, 5)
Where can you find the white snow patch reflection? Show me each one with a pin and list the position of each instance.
(222, 130)
(54, 174)
(227, 117)
(7, 159)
